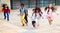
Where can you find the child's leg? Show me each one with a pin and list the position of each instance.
(7, 16)
(22, 20)
(33, 23)
(26, 19)
(4, 15)
(37, 22)
(50, 20)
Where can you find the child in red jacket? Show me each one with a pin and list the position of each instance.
(6, 12)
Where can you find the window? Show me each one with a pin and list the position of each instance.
(15, 4)
(57, 2)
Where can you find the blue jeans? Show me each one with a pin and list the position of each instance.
(6, 15)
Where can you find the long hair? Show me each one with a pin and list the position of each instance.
(53, 8)
(39, 11)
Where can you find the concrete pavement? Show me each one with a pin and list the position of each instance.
(14, 25)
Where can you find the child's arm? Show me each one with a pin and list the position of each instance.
(2, 9)
(42, 15)
(26, 12)
(56, 10)
(9, 10)
(19, 11)
(18, 14)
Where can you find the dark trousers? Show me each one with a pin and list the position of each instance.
(26, 19)
(6, 15)
(33, 23)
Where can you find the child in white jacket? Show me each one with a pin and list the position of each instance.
(36, 15)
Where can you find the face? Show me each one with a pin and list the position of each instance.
(37, 11)
(5, 6)
(22, 6)
(33, 9)
(50, 5)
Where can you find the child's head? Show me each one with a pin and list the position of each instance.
(50, 5)
(6, 6)
(22, 5)
(33, 9)
(37, 10)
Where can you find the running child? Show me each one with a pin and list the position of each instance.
(6, 12)
(23, 15)
(49, 10)
(36, 15)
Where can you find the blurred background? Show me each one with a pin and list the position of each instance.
(15, 4)
(14, 24)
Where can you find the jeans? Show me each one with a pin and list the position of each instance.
(6, 15)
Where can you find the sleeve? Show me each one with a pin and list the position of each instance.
(9, 10)
(33, 16)
(19, 10)
(40, 13)
(26, 11)
(2, 9)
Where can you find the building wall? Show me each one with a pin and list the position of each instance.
(15, 4)
(31, 3)
(0, 7)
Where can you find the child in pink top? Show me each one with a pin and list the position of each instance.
(49, 10)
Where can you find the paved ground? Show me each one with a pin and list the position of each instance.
(14, 25)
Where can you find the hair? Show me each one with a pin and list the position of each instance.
(33, 9)
(22, 4)
(53, 8)
(39, 11)
(7, 6)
